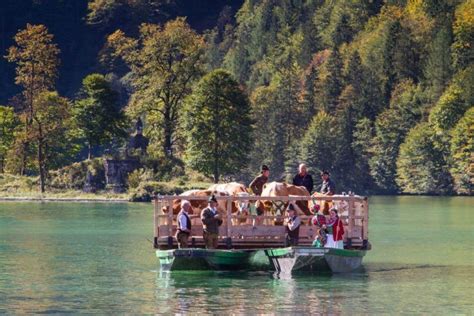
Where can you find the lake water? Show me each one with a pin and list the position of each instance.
(97, 258)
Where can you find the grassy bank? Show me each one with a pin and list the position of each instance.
(27, 188)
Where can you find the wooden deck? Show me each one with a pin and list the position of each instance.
(353, 210)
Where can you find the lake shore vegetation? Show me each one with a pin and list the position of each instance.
(380, 93)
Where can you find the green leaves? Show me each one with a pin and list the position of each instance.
(97, 117)
(8, 122)
(421, 168)
(218, 126)
(462, 153)
(164, 62)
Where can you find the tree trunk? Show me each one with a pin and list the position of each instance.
(89, 155)
(23, 158)
(216, 172)
(41, 166)
(167, 145)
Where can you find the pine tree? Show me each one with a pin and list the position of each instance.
(391, 127)
(463, 29)
(317, 146)
(330, 82)
(438, 66)
(218, 126)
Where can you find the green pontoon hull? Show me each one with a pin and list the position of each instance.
(316, 260)
(282, 260)
(192, 259)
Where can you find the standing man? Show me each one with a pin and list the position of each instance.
(303, 178)
(184, 225)
(257, 184)
(211, 221)
(257, 187)
(292, 226)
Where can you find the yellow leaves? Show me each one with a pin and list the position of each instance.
(36, 58)
(417, 20)
(465, 14)
(415, 7)
(464, 21)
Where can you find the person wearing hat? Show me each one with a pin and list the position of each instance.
(211, 220)
(257, 184)
(292, 226)
(257, 187)
(327, 187)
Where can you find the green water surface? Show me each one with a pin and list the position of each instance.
(95, 258)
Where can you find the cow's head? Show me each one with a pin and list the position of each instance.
(243, 205)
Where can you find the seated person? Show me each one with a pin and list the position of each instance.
(292, 224)
(328, 188)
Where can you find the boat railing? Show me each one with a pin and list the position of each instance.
(250, 231)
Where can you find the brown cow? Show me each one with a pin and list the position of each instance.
(197, 205)
(234, 189)
(284, 189)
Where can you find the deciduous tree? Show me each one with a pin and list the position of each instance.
(462, 154)
(51, 120)
(420, 166)
(8, 122)
(36, 59)
(164, 62)
(97, 115)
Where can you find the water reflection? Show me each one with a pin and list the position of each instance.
(248, 293)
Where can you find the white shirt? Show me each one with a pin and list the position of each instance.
(296, 221)
(182, 220)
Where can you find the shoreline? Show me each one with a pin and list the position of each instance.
(58, 199)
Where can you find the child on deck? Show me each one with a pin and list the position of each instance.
(319, 220)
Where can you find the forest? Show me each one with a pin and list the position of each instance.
(379, 93)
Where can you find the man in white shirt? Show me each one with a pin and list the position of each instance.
(184, 225)
(292, 223)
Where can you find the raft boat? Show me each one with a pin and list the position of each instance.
(261, 247)
(315, 260)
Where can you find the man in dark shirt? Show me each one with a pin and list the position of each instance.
(211, 221)
(303, 178)
(257, 184)
(292, 227)
(327, 187)
(257, 187)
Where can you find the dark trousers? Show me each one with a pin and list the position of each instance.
(291, 241)
(182, 238)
